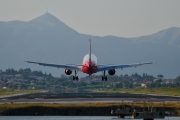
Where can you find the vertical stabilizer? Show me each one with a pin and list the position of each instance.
(90, 51)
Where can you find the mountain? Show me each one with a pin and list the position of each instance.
(47, 39)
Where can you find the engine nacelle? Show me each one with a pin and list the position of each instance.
(68, 71)
(111, 72)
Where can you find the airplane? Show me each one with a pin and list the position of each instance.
(90, 66)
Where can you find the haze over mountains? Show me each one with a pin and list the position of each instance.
(47, 39)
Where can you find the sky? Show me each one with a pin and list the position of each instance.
(123, 18)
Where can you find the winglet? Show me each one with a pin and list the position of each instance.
(33, 62)
(28, 61)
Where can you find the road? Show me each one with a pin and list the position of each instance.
(85, 98)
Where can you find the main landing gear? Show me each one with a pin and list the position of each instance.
(104, 77)
(75, 77)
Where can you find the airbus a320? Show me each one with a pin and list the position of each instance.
(90, 66)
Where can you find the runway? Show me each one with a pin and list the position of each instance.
(85, 98)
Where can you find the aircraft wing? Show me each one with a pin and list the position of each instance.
(72, 66)
(111, 67)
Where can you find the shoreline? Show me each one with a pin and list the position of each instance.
(81, 109)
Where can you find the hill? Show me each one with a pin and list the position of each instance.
(47, 39)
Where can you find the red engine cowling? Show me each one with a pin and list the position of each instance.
(111, 72)
(68, 71)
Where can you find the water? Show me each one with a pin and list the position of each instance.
(74, 118)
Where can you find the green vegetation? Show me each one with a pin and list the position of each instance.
(76, 105)
(100, 104)
(161, 91)
(56, 105)
(18, 81)
(12, 92)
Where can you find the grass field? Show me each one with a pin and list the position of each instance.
(160, 91)
(6, 106)
(12, 92)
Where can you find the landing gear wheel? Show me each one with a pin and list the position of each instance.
(104, 77)
(75, 77)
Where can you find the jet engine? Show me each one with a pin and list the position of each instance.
(68, 71)
(111, 72)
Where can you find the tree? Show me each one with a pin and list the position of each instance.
(177, 84)
(94, 83)
(131, 85)
(2, 78)
(50, 75)
(144, 75)
(151, 85)
(82, 83)
(158, 85)
(14, 86)
(160, 76)
(178, 78)
(71, 84)
(119, 85)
